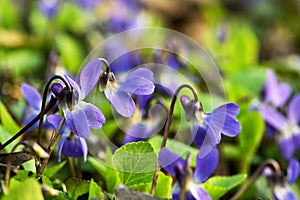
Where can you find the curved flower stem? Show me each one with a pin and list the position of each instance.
(49, 106)
(167, 129)
(107, 69)
(45, 99)
(256, 174)
(51, 146)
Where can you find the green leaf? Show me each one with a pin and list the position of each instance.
(176, 146)
(95, 191)
(135, 163)
(7, 121)
(24, 190)
(217, 186)
(77, 187)
(250, 137)
(46, 181)
(4, 136)
(52, 169)
(30, 165)
(164, 186)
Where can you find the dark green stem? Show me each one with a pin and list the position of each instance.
(167, 129)
(50, 105)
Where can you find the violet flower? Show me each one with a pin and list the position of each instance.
(280, 186)
(138, 82)
(70, 144)
(80, 115)
(34, 99)
(275, 93)
(185, 179)
(289, 139)
(49, 7)
(126, 16)
(147, 127)
(206, 128)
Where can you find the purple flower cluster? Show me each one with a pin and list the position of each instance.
(276, 96)
(281, 186)
(81, 116)
(206, 128)
(186, 180)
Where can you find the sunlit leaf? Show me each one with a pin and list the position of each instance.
(135, 163)
(24, 190)
(95, 191)
(217, 186)
(164, 186)
(250, 137)
(7, 121)
(52, 169)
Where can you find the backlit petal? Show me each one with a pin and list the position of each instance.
(32, 96)
(206, 166)
(121, 102)
(89, 76)
(170, 161)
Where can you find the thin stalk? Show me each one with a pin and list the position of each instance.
(167, 129)
(50, 105)
(71, 165)
(255, 175)
(45, 99)
(107, 69)
(50, 149)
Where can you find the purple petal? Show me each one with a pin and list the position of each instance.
(293, 171)
(60, 147)
(76, 87)
(287, 147)
(89, 76)
(176, 194)
(228, 108)
(84, 148)
(273, 118)
(171, 162)
(54, 120)
(122, 102)
(74, 146)
(205, 138)
(284, 193)
(148, 127)
(94, 116)
(141, 72)
(185, 100)
(56, 88)
(198, 192)
(284, 91)
(78, 122)
(293, 109)
(228, 124)
(32, 96)
(275, 92)
(138, 86)
(206, 166)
